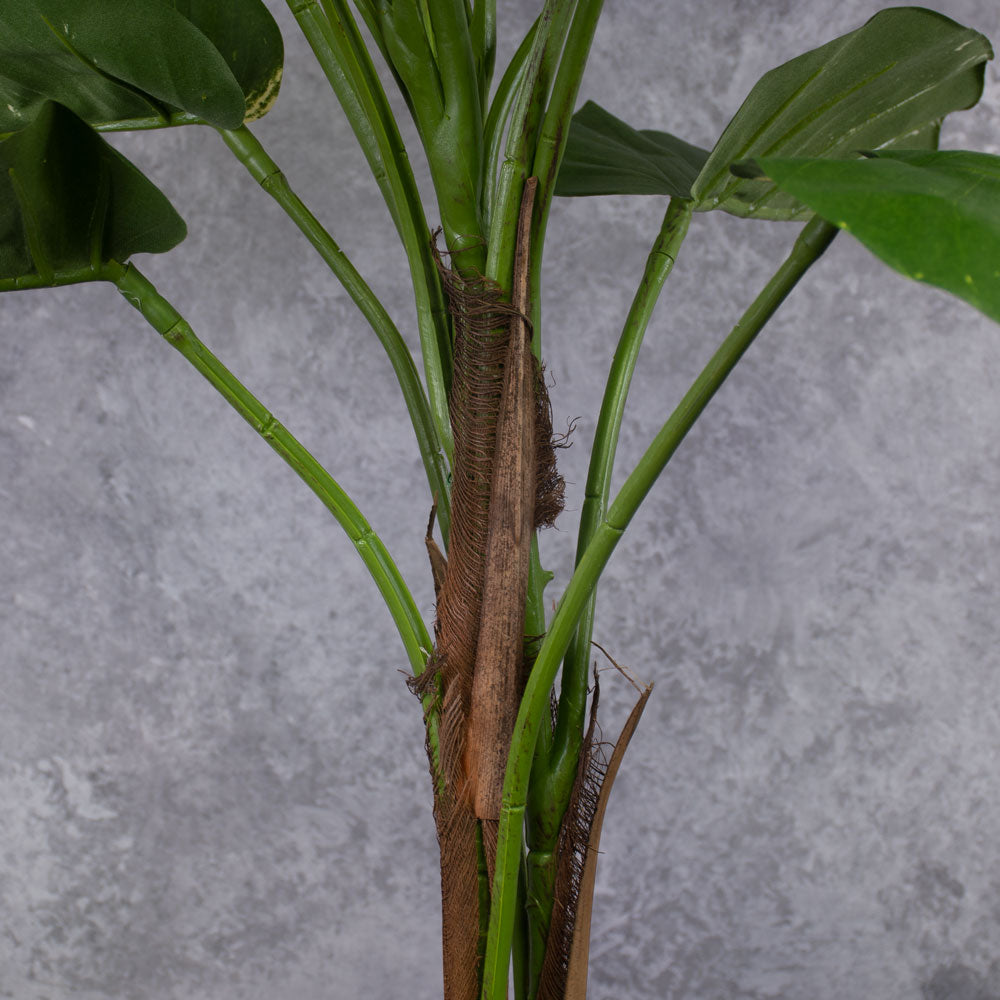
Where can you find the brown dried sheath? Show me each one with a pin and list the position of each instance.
(578, 959)
(439, 564)
(499, 651)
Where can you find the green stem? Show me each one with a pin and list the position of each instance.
(455, 154)
(435, 60)
(521, 945)
(534, 618)
(573, 697)
(340, 51)
(366, 8)
(161, 315)
(552, 137)
(525, 120)
(319, 34)
(483, 890)
(54, 279)
(500, 108)
(813, 240)
(265, 171)
(483, 29)
(553, 773)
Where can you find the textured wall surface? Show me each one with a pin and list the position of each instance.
(212, 778)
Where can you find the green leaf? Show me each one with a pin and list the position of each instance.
(70, 203)
(138, 63)
(888, 84)
(933, 216)
(248, 38)
(606, 156)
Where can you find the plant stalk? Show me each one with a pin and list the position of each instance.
(341, 53)
(809, 246)
(522, 135)
(266, 172)
(139, 292)
(551, 145)
(573, 698)
(500, 109)
(554, 772)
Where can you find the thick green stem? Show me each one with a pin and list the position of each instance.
(811, 243)
(434, 59)
(340, 51)
(525, 121)
(265, 171)
(496, 121)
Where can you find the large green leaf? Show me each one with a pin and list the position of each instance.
(888, 84)
(142, 63)
(934, 216)
(606, 156)
(70, 203)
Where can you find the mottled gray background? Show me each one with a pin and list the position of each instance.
(213, 783)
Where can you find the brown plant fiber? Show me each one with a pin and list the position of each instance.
(564, 968)
(500, 644)
(498, 398)
(480, 322)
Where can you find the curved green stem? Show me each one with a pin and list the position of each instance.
(161, 315)
(813, 240)
(319, 34)
(334, 38)
(266, 172)
(573, 698)
(554, 771)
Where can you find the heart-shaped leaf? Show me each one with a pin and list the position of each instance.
(70, 203)
(606, 156)
(934, 216)
(138, 63)
(888, 84)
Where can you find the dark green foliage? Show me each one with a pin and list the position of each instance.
(889, 83)
(606, 156)
(138, 61)
(69, 202)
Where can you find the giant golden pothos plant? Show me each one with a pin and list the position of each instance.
(842, 137)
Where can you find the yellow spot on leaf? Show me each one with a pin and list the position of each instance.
(259, 103)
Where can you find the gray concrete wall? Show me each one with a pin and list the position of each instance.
(212, 776)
